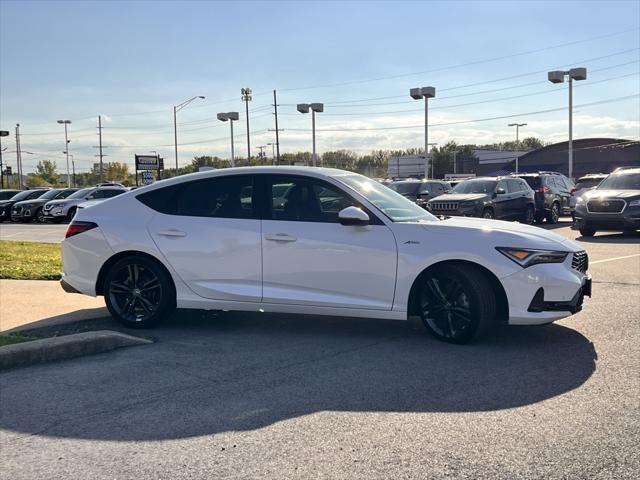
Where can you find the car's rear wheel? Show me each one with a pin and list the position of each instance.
(138, 292)
(587, 232)
(457, 303)
(528, 216)
(488, 213)
(554, 214)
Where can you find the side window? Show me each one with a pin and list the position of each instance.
(514, 186)
(224, 197)
(111, 193)
(502, 184)
(95, 194)
(306, 200)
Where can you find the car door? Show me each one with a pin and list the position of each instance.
(310, 258)
(209, 233)
(503, 202)
(519, 198)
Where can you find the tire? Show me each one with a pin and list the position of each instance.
(457, 304)
(71, 213)
(488, 213)
(138, 292)
(554, 214)
(39, 216)
(529, 215)
(587, 232)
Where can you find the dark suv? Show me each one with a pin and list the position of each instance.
(505, 198)
(613, 205)
(420, 191)
(6, 205)
(28, 210)
(552, 194)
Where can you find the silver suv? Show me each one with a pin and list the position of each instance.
(60, 210)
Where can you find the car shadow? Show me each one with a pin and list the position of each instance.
(242, 371)
(612, 237)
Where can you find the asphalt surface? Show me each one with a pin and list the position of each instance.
(33, 232)
(241, 395)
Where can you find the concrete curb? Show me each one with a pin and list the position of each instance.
(65, 347)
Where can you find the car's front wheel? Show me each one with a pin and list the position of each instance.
(71, 213)
(587, 232)
(40, 216)
(457, 303)
(138, 292)
(488, 213)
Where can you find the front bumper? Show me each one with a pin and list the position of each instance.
(23, 214)
(628, 219)
(55, 212)
(563, 289)
(461, 211)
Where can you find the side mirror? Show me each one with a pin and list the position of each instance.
(353, 216)
(500, 191)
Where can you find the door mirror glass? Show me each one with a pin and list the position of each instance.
(353, 216)
(500, 191)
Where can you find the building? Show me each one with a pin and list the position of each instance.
(590, 155)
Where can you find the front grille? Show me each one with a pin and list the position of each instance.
(605, 206)
(580, 261)
(449, 206)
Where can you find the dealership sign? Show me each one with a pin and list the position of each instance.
(147, 162)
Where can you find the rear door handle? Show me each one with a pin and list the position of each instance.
(172, 233)
(280, 237)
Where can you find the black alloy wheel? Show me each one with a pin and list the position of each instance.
(529, 216)
(488, 213)
(457, 304)
(554, 213)
(40, 216)
(138, 292)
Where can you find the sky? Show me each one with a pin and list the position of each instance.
(131, 62)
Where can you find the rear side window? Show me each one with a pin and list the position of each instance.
(223, 197)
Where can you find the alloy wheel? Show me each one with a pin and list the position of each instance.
(135, 292)
(445, 307)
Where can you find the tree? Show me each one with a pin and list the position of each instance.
(48, 171)
(37, 181)
(442, 157)
(117, 172)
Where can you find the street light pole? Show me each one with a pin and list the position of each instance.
(314, 107)
(231, 116)
(426, 93)
(246, 98)
(176, 109)
(3, 133)
(558, 76)
(66, 149)
(518, 125)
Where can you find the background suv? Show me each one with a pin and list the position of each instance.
(6, 205)
(584, 184)
(552, 194)
(613, 205)
(501, 198)
(59, 210)
(28, 210)
(420, 191)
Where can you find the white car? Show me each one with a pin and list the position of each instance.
(340, 244)
(59, 210)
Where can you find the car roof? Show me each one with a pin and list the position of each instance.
(626, 171)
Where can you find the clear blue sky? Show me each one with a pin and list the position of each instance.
(75, 60)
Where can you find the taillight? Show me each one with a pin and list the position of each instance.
(75, 228)
(543, 190)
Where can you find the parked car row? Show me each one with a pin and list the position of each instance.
(597, 201)
(56, 205)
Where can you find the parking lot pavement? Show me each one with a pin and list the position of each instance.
(32, 232)
(249, 395)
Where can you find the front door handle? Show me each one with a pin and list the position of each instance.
(280, 237)
(172, 233)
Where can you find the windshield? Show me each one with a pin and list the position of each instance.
(50, 194)
(406, 188)
(81, 193)
(629, 181)
(475, 186)
(389, 202)
(588, 182)
(24, 195)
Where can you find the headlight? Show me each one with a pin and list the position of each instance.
(525, 257)
(579, 200)
(635, 203)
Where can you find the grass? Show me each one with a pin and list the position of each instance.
(29, 260)
(15, 338)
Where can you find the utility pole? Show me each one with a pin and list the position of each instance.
(3, 133)
(246, 98)
(18, 156)
(261, 147)
(99, 145)
(275, 106)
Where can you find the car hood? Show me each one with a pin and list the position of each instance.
(460, 197)
(35, 201)
(610, 193)
(504, 234)
(64, 200)
(4, 203)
